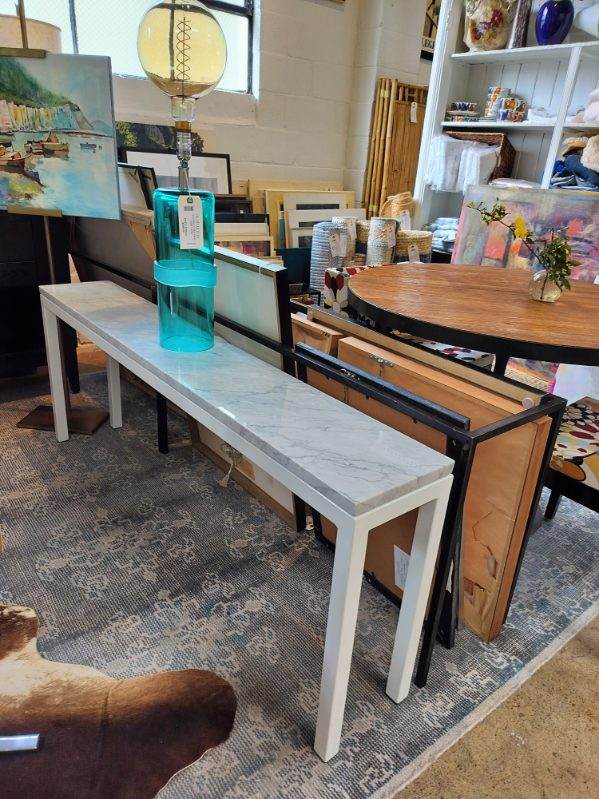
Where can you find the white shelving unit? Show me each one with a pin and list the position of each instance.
(558, 78)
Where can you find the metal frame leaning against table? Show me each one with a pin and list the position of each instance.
(369, 476)
(462, 442)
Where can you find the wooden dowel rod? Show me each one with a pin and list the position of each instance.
(23, 22)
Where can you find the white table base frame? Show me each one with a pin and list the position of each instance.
(431, 500)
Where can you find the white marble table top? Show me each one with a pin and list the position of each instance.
(352, 459)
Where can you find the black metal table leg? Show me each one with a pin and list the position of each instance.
(448, 623)
(69, 348)
(299, 506)
(463, 454)
(162, 420)
(501, 362)
(552, 504)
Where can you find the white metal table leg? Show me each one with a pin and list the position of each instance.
(423, 557)
(113, 374)
(56, 374)
(350, 552)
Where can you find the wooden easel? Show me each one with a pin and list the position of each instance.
(84, 421)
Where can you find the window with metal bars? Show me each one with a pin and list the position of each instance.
(110, 28)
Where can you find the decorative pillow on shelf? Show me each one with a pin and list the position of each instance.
(576, 452)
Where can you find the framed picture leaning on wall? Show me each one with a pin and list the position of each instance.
(429, 34)
(132, 191)
(208, 171)
(149, 184)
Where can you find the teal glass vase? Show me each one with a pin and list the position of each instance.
(185, 278)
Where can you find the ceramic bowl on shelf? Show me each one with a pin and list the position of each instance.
(463, 106)
(513, 109)
(461, 117)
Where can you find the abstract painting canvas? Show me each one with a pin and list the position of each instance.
(575, 212)
(57, 137)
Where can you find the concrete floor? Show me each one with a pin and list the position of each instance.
(541, 743)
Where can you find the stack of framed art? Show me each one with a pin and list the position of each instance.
(299, 224)
(249, 238)
(317, 205)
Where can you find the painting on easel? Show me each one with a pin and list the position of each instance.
(57, 135)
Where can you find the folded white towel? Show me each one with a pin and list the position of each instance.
(477, 165)
(444, 163)
(456, 164)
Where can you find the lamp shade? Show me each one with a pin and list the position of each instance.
(40, 35)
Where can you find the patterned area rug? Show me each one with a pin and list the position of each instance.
(137, 563)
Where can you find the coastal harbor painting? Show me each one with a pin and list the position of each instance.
(57, 135)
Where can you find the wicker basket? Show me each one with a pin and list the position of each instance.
(423, 239)
(507, 154)
(394, 205)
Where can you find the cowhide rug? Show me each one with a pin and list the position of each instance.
(102, 738)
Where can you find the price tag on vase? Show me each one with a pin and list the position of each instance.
(405, 220)
(414, 254)
(391, 235)
(191, 222)
(338, 245)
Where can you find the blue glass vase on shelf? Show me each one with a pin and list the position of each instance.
(182, 50)
(554, 21)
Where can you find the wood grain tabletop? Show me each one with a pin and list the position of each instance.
(480, 300)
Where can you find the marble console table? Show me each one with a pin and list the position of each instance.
(363, 476)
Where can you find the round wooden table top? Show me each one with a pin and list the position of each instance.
(481, 307)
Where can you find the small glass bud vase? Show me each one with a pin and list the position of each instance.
(543, 289)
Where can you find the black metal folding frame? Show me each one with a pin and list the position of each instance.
(442, 619)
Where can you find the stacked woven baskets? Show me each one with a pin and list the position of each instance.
(362, 231)
(331, 249)
(381, 241)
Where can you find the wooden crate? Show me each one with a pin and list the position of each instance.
(314, 335)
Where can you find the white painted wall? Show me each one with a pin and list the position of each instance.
(315, 79)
